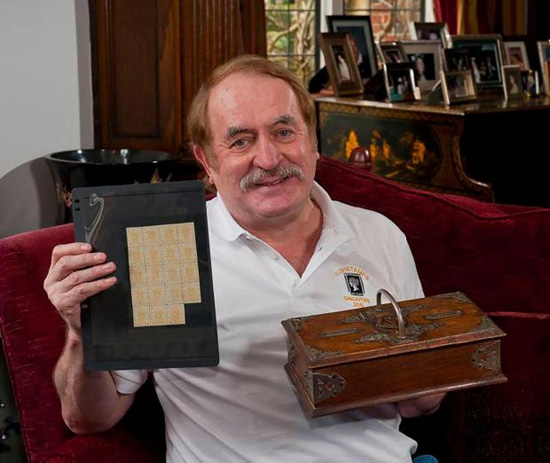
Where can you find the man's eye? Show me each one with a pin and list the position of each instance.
(285, 133)
(240, 143)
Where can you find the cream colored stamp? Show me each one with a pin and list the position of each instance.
(168, 233)
(136, 256)
(190, 273)
(153, 255)
(138, 276)
(172, 273)
(188, 252)
(174, 294)
(140, 297)
(155, 275)
(134, 236)
(142, 316)
(186, 232)
(170, 253)
(157, 294)
(151, 235)
(192, 293)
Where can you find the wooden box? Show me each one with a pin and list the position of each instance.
(386, 353)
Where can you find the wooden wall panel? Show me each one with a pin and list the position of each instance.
(211, 35)
(149, 59)
(137, 73)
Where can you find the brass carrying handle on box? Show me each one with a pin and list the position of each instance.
(400, 320)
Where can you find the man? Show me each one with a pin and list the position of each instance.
(279, 249)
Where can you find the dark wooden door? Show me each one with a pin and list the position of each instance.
(149, 57)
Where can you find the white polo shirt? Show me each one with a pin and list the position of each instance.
(246, 409)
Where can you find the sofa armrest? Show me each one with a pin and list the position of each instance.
(116, 445)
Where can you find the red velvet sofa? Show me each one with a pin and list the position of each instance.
(498, 255)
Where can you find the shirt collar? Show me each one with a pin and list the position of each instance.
(228, 228)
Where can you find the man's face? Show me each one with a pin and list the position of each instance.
(265, 161)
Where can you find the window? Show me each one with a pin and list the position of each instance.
(390, 18)
(292, 29)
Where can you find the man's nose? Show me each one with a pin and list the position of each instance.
(267, 155)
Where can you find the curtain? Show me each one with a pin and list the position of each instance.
(507, 17)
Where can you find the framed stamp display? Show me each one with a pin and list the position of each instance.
(160, 313)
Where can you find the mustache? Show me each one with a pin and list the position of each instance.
(258, 175)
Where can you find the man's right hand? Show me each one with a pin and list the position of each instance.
(75, 274)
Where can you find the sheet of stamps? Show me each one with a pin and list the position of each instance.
(164, 273)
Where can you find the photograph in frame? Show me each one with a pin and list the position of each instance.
(456, 59)
(516, 54)
(544, 57)
(431, 31)
(512, 82)
(425, 55)
(400, 82)
(341, 64)
(391, 52)
(458, 87)
(486, 58)
(530, 83)
(360, 30)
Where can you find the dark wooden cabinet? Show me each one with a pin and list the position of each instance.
(149, 57)
(488, 149)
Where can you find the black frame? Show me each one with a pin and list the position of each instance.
(111, 341)
(480, 47)
(391, 70)
(365, 43)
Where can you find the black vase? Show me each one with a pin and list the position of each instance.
(99, 167)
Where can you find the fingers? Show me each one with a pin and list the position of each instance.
(68, 249)
(67, 264)
(76, 274)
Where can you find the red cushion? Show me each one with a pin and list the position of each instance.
(33, 335)
(498, 255)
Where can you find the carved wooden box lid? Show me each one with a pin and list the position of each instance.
(384, 329)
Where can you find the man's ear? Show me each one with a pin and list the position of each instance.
(200, 156)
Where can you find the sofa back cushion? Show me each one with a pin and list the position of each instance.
(498, 255)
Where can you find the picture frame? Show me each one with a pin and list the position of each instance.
(544, 57)
(458, 87)
(341, 65)
(391, 52)
(512, 82)
(456, 59)
(530, 83)
(431, 31)
(400, 82)
(123, 328)
(360, 30)
(516, 54)
(486, 58)
(427, 61)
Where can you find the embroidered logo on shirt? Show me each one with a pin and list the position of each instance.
(355, 280)
(354, 284)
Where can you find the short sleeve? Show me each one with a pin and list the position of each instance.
(129, 381)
